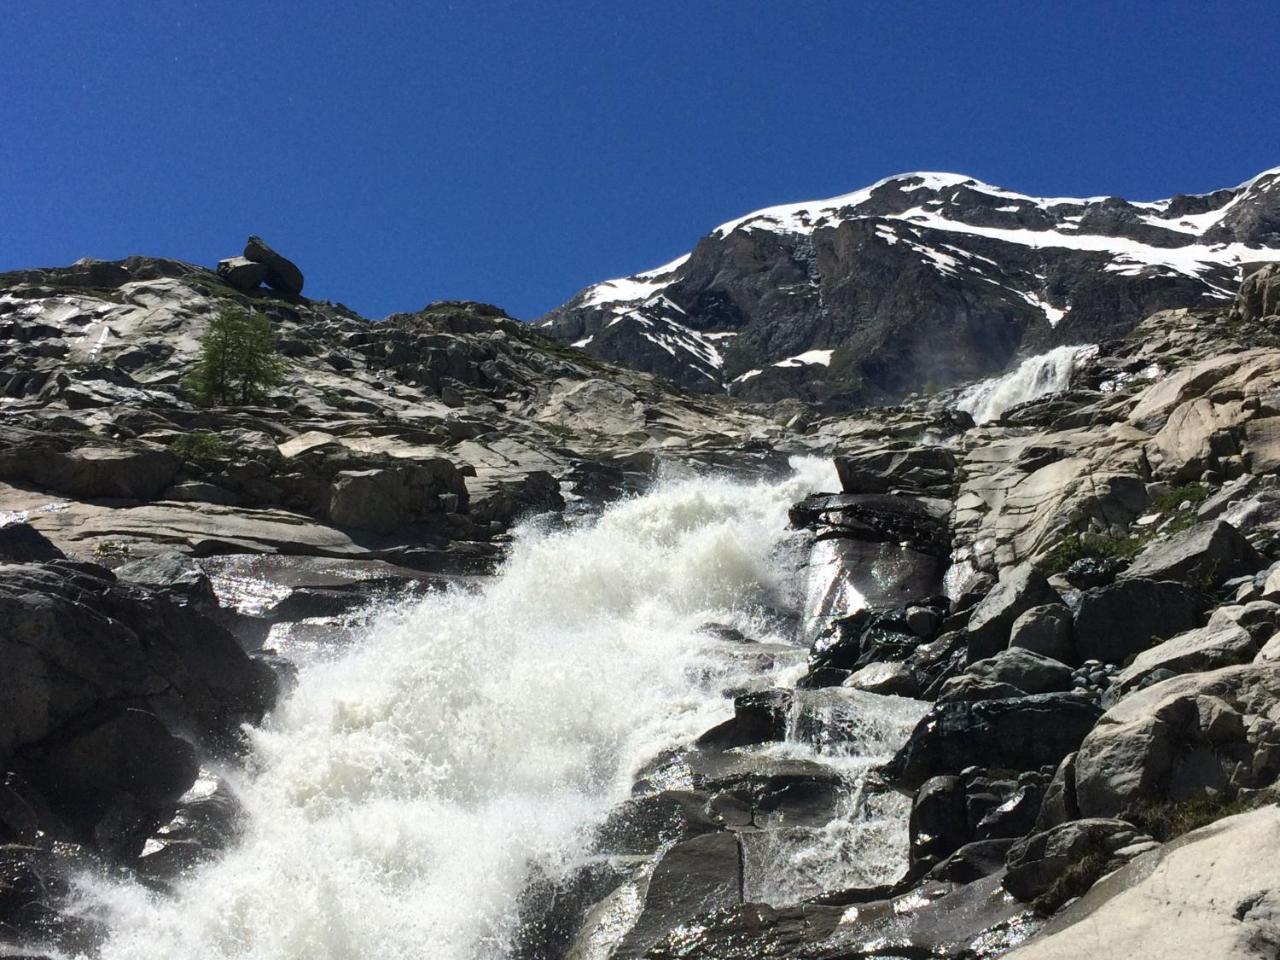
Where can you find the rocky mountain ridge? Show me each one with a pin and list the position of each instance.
(922, 279)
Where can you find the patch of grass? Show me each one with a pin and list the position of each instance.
(1081, 546)
(200, 446)
(1166, 819)
(1196, 493)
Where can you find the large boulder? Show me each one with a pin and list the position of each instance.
(1215, 892)
(1205, 648)
(384, 499)
(1204, 556)
(1037, 862)
(1200, 736)
(119, 779)
(1018, 590)
(85, 470)
(1018, 733)
(1029, 672)
(1045, 630)
(903, 466)
(242, 273)
(939, 825)
(282, 274)
(1115, 622)
(72, 640)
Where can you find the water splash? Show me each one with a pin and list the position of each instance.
(402, 794)
(1033, 378)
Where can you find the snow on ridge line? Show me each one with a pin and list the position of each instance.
(791, 214)
(1191, 259)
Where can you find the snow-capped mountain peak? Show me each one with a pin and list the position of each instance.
(921, 278)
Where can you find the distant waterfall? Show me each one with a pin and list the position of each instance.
(1034, 377)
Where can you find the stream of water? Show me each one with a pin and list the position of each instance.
(399, 797)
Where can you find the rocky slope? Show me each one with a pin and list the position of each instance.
(1062, 622)
(923, 279)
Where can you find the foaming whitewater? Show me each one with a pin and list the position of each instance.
(404, 792)
(1033, 378)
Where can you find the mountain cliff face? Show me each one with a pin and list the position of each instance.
(921, 280)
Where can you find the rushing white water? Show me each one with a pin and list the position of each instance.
(1034, 377)
(401, 795)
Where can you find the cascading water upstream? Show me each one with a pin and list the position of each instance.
(399, 798)
(1033, 378)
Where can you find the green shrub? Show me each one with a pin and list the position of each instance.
(200, 446)
(1172, 499)
(1080, 546)
(238, 359)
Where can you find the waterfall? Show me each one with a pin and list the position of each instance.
(400, 797)
(1034, 377)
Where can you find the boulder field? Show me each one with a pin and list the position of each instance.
(1071, 611)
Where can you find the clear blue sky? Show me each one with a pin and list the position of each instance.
(514, 152)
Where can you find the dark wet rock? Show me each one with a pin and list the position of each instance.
(172, 573)
(974, 860)
(1017, 591)
(242, 273)
(939, 823)
(693, 878)
(968, 687)
(23, 543)
(553, 910)
(281, 274)
(644, 824)
(875, 518)
(923, 621)
(74, 639)
(36, 887)
(117, 780)
(1023, 733)
(1028, 671)
(1094, 572)
(757, 718)
(892, 551)
(1045, 630)
(792, 791)
(890, 679)
(852, 642)
(200, 829)
(1115, 622)
(1204, 556)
